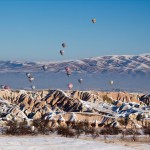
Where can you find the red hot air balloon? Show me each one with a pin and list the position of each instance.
(70, 86)
(67, 69)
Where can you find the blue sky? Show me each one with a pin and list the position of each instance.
(34, 30)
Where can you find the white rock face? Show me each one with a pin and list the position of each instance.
(73, 118)
(22, 92)
(32, 128)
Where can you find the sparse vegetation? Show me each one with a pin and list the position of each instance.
(15, 128)
(41, 126)
(146, 130)
(73, 130)
(65, 131)
(110, 131)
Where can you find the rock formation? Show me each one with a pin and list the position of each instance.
(99, 109)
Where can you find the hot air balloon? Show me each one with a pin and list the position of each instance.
(63, 45)
(6, 87)
(68, 73)
(44, 67)
(32, 87)
(2, 86)
(62, 52)
(80, 80)
(111, 82)
(31, 79)
(94, 20)
(67, 69)
(28, 75)
(70, 86)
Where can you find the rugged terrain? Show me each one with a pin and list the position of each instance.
(99, 109)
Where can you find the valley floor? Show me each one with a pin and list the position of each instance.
(53, 142)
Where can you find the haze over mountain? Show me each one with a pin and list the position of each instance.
(131, 72)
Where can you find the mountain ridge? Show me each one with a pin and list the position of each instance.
(130, 64)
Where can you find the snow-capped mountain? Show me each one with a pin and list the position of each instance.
(128, 72)
(116, 63)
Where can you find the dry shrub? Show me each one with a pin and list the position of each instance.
(94, 133)
(83, 128)
(131, 132)
(68, 123)
(79, 128)
(110, 131)
(146, 130)
(15, 128)
(41, 126)
(65, 131)
(89, 130)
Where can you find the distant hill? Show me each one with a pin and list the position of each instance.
(129, 72)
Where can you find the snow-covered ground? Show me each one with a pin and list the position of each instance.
(54, 142)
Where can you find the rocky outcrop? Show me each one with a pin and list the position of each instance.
(97, 96)
(86, 96)
(145, 99)
(99, 109)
